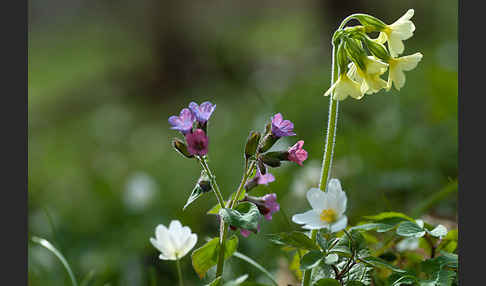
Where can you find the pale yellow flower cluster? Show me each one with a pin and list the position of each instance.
(363, 74)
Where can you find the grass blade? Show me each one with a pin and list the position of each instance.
(44, 243)
(255, 264)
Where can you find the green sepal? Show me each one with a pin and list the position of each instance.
(295, 239)
(181, 148)
(252, 143)
(245, 215)
(371, 23)
(202, 186)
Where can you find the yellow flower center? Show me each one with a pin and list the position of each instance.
(328, 215)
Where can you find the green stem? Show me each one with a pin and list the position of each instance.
(179, 272)
(330, 141)
(212, 178)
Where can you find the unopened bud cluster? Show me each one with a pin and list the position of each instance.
(362, 60)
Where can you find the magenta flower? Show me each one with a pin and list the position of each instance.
(259, 179)
(271, 205)
(246, 232)
(197, 142)
(280, 127)
(297, 154)
(183, 122)
(202, 112)
(267, 205)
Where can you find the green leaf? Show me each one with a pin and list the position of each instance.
(327, 282)
(410, 229)
(236, 281)
(215, 210)
(449, 242)
(383, 225)
(245, 215)
(256, 265)
(439, 231)
(378, 262)
(331, 259)
(202, 186)
(385, 215)
(206, 256)
(295, 239)
(355, 283)
(311, 259)
(46, 244)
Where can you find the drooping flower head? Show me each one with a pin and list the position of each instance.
(398, 66)
(344, 87)
(281, 127)
(296, 153)
(183, 122)
(401, 30)
(197, 142)
(267, 205)
(271, 205)
(202, 112)
(173, 242)
(259, 179)
(327, 208)
(369, 77)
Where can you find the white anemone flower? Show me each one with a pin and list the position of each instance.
(345, 87)
(327, 208)
(398, 66)
(402, 29)
(370, 79)
(173, 242)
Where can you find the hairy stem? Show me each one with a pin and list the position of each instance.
(329, 148)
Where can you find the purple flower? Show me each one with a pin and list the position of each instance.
(197, 142)
(280, 127)
(246, 232)
(271, 205)
(183, 122)
(259, 179)
(202, 112)
(297, 154)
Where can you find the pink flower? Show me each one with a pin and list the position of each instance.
(197, 142)
(297, 154)
(246, 232)
(271, 205)
(183, 122)
(280, 127)
(259, 179)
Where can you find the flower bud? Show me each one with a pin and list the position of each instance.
(356, 52)
(204, 183)
(273, 159)
(181, 148)
(371, 23)
(268, 141)
(252, 143)
(261, 167)
(377, 49)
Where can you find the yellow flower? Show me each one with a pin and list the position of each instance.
(370, 77)
(345, 87)
(396, 75)
(402, 29)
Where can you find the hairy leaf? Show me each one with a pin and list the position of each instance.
(245, 215)
(206, 256)
(295, 239)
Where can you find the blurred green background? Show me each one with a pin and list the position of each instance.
(105, 75)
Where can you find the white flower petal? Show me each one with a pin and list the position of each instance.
(162, 237)
(395, 45)
(310, 216)
(187, 245)
(340, 224)
(317, 199)
(410, 62)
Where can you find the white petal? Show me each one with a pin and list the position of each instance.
(397, 77)
(175, 227)
(163, 239)
(187, 245)
(163, 248)
(340, 224)
(317, 199)
(316, 225)
(410, 62)
(334, 185)
(395, 45)
(310, 216)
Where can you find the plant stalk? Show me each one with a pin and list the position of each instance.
(179, 272)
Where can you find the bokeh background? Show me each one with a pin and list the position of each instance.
(105, 75)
